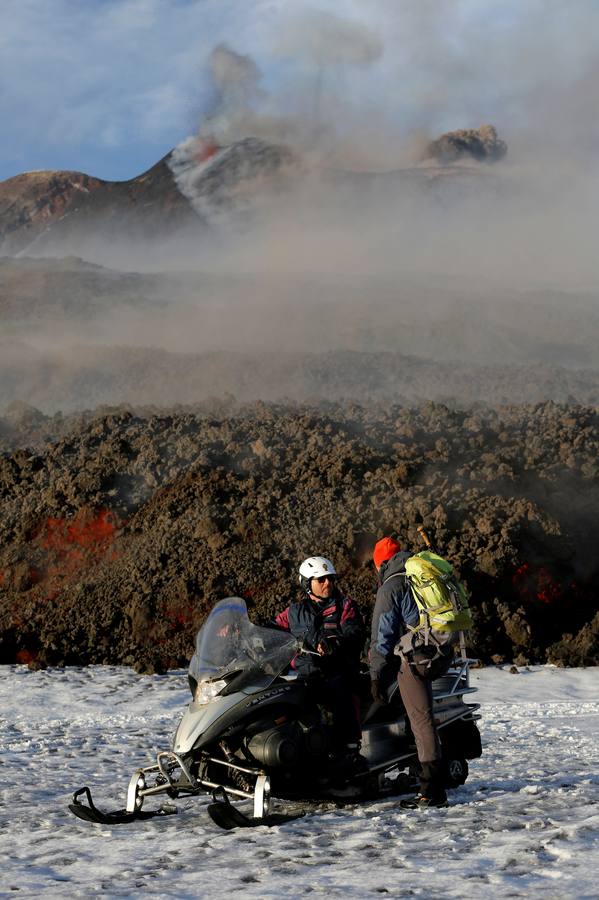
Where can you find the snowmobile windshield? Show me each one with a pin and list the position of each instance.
(228, 641)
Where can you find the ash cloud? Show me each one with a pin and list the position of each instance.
(361, 104)
(329, 230)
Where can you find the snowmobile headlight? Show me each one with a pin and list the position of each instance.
(206, 691)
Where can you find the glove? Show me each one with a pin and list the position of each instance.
(326, 646)
(377, 692)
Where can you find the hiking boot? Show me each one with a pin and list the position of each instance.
(422, 802)
(432, 781)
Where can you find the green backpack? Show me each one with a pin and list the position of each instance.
(441, 598)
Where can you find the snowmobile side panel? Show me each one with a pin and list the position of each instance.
(236, 718)
(197, 720)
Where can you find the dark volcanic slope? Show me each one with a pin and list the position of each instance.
(43, 211)
(64, 213)
(120, 535)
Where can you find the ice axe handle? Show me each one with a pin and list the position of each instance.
(424, 536)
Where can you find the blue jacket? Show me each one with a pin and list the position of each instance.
(394, 609)
(337, 619)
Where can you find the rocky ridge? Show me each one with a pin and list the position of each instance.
(44, 212)
(196, 186)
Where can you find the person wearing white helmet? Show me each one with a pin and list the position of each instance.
(331, 629)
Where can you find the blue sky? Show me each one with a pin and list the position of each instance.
(109, 86)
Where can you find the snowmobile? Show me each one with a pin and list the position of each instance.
(255, 735)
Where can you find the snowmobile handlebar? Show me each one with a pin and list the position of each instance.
(303, 649)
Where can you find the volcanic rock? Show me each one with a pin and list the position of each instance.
(481, 144)
(122, 529)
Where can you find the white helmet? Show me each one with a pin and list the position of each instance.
(314, 567)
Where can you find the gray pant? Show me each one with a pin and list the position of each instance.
(417, 696)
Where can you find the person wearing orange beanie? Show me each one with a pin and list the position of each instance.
(395, 611)
(384, 550)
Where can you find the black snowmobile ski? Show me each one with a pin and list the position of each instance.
(225, 815)
(91, 813)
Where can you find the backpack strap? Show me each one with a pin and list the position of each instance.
(424, 628)
(395, 575)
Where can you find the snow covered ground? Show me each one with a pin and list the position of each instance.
(526, 823)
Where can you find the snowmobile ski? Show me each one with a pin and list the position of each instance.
(91, 813)
(225, 815)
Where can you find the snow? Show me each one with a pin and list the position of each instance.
(525, 824)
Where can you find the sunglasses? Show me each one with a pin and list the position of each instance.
(324, 578)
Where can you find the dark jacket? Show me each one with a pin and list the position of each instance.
(394, 609)
(337, 620)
